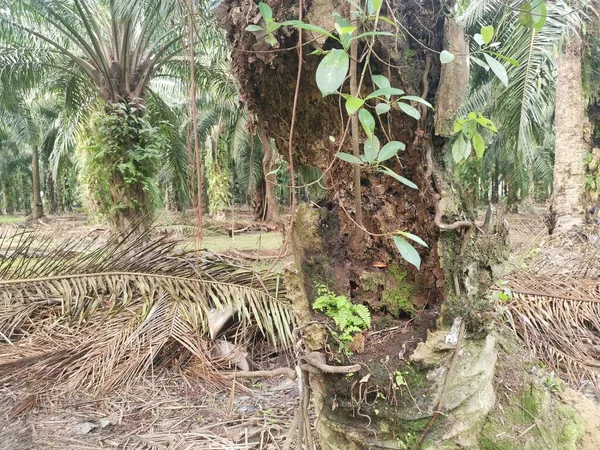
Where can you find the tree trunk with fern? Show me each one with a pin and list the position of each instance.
(570, 150)
(395, 400)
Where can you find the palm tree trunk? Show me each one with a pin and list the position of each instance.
(272, 209)
(50, 193)
(568, 195)
(38, 206)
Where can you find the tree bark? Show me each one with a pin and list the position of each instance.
(569, 186)
(38, 206)
(51, 193)
(272, 209)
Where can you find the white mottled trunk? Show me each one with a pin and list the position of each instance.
(567, 202)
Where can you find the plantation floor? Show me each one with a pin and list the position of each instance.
(164, 413)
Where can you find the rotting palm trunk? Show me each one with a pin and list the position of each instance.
(394, 399)
(38, 206)
(569, 186)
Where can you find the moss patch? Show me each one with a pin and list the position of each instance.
(390, 291)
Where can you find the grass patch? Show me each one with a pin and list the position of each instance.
(11, 219)
(247, 241)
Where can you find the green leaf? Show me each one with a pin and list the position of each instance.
(487, 33)
(372, 146)
(479, 39)
(265, 11)
(525, 18)
(384, 91)
(390, 150)
(478, 144)
(400, 178)
(487, 123)
(469, 128)
(457, 126)
(407, 109)
(538, 15)
(367, 121)
(353, 104)
(408, 252)
(497, 68)
(349, 158)
(373, 6)
(309, 27)
(332, 71)
(459, 149)
(414, 98)
(382, 108)
(413, 237)
(479, 62)
(513, 61)
(380, 81)
(253, 28)
(270, 39)
(446, 57)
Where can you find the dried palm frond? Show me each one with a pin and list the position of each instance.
(100, 315)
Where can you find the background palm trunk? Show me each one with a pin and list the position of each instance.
(38, 206)
(568, 195)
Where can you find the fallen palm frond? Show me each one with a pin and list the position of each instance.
(93, 315)
(555, 304)
(559, 321)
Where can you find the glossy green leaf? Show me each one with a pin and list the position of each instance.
(457, 126)
(487, 123)
(367, 121)
(309, 27)
(349, 158)
(479, 39)
(380, 81)
(265, 11)
(497, 68)
(459, 149)
(372, 146)
(353, 104)
(407, 109)
(382, 108)
(385, 91)
(413, 237)
(538, 15)
(332, 71)
(478, 145)
(408, 252)
(479, 62)
(446, 57)
(487, 33)
(414, 98)
(400, 178)
(390, 150)
(253, 28)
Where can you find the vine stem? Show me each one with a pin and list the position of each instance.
(291, 141)
(354, 119)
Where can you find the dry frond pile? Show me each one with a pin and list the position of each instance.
(85, 316)
(555, 305)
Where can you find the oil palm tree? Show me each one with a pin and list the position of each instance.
(111, 48)
(523, 110)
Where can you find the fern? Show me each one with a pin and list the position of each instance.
(349, 319)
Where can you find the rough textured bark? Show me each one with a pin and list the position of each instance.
(38, 206)
(568, 195)
(51, 193)
(271, 213)
(366, 267)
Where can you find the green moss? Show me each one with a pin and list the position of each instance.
(573, 427)
(397, 295)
